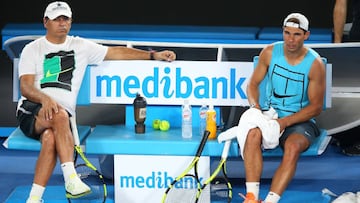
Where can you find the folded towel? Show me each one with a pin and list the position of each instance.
(253, 118)
(228, 134)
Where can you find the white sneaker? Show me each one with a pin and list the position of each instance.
(76, 188)
(34, 199)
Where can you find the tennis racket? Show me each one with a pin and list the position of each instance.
(185, 187)
(87, 173)
(220, 187)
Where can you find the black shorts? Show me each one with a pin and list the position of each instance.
(309, 129)
(26, 117)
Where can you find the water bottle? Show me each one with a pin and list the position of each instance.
(211, 122)
(186, 120)
(202, 116)
(139, 113)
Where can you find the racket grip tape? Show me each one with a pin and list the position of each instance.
(202, 143)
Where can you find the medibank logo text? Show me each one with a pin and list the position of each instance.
(157, 180)
(195, 81)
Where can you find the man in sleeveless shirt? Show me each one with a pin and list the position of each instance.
(295, 89)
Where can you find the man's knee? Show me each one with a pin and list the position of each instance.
(61, 115)
(254, 136)
(293, 148)
(48, 139)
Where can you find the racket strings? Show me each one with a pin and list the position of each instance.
(183, 190)
(219, 187)
(204, 195)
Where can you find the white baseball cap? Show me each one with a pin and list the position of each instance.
(303, 21)
(56, 9)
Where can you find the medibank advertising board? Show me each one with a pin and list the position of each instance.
(218, 83)
(170, 83)
(145, 178)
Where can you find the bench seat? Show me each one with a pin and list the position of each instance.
(17, 139)
(120, 139)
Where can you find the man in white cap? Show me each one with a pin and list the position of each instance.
(51, 69)
(295, 89)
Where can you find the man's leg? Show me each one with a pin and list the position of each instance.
(294, 145)
(45, 163)
(253, 163)
(62, 143)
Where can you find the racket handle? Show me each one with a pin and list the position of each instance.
(202, 143)
(226, 149)
(74, 130)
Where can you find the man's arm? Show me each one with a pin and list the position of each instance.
(258, 75)
(316, 93)
(125, 53)
(339, 19)
(29, 91)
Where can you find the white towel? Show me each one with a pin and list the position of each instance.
(253, 118)
(347, 197)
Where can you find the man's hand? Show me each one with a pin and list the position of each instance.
(164, 55)
(282, 124)
(49, 107)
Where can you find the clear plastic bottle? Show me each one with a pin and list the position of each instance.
(211, 122)
(186, 120)
(202, 116)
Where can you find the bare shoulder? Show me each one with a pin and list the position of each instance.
(319, 63)
(267, 49)
(265, 54)
(317, 68)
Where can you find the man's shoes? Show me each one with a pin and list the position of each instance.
(34, 199)
(250, 198)
(76, 188)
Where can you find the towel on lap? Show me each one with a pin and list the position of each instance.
(253, 118)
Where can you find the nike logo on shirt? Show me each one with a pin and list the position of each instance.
(283, 96)
(49, 74)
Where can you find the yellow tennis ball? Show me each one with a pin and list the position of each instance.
(164, 125)
(156, 124)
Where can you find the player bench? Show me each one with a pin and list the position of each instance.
(122, 139)
(104, 136)
(17, 140)
(136, 158)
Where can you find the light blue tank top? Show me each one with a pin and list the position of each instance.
(288, 84)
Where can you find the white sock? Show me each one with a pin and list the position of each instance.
(36, 192)
(254, 188)
(272, 197)
(68, 170)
